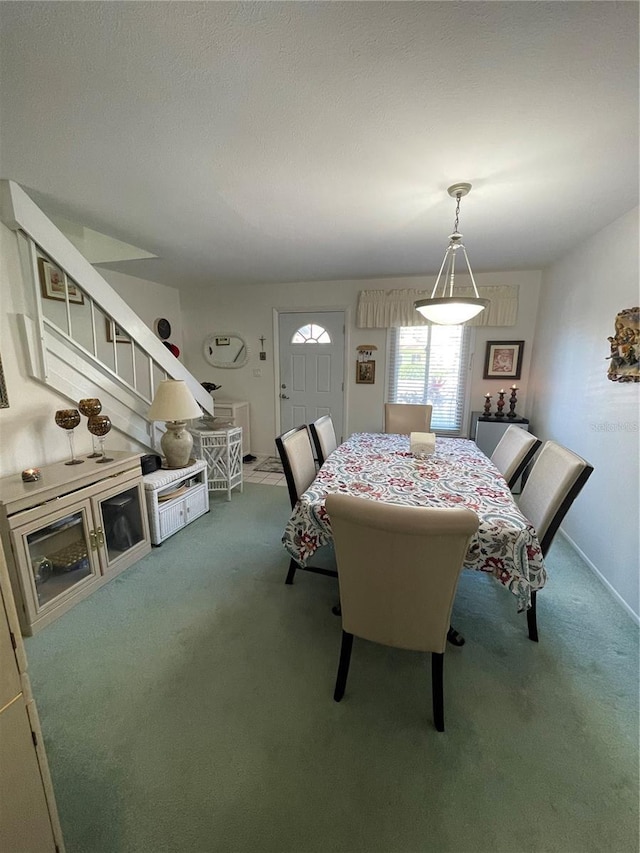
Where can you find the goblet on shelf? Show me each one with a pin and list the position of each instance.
(91, 406)
(99, 425)
(68, 419)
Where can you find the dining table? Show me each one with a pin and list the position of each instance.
(381, 467)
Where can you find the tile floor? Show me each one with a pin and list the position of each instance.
(250, 475)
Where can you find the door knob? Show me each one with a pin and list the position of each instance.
(284, 397)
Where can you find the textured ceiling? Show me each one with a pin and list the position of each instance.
(269, 141)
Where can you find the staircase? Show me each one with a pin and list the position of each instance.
(80, 334)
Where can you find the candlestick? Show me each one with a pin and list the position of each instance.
(487, 405)
(500, 404)
(512, 402)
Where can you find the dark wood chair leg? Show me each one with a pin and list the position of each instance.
(292, 571)
(532, 621)
(437, 668)
(343, 666)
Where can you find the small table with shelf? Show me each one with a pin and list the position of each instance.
(221, 449)
(175, 497)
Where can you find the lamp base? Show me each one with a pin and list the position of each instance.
(176, 444)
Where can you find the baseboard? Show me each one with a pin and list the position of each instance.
(601, 577)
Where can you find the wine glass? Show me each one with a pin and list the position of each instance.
(99, 425)
(91, 406)
(68, 419)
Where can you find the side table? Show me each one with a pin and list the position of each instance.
(175, 497)
(221, 449)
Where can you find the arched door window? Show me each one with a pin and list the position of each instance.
(311, 334)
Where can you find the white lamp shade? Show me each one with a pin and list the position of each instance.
(451, 310)
(173, 402)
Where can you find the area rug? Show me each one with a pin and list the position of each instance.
(270, 465)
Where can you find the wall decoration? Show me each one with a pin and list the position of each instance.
(114, 332)
(162, 328)
(625, 347)
(52, 283)
(4, 399)
(365, 372)
(503, 360)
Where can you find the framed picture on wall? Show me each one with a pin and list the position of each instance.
(52, 283)
(365, 372)
(115, 333)
(503, 360)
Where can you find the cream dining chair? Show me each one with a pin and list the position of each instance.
(324, 437)
(555, 481)
(514, 452)
(299, 465)
(405, 418)
(398, 569)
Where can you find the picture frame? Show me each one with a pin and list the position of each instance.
(365, 372)
(503, 360)
(52, 283)
(114, 332)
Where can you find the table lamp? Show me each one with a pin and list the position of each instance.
(175, 404)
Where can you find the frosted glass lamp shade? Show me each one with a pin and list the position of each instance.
(450, 310)
(175, 405)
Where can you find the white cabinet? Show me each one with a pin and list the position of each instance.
(175, 498)
(221, 449)
(237, 413)
(28, 816)
(70, 532)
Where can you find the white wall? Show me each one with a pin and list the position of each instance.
(249, 311)
(575, 404)
(28, 434)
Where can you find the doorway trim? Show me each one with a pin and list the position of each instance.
(346, 311)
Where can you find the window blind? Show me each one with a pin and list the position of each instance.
(430, 364)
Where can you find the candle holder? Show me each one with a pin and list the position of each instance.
(512, 403)
(500, 405)
(99, 425)
(68, 420)
(487, 405)
(91, 406)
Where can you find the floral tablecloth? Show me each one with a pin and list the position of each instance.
(381, 467)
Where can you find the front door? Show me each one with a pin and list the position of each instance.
(311, 368)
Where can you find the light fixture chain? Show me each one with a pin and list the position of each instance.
(455, 224)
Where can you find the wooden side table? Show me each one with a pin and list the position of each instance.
(222, 451)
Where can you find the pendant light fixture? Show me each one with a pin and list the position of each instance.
(448, 309)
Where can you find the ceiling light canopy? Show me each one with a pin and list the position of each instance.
(448, 309)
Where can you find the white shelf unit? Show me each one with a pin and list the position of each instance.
(237, 413)
(221, 449)
(175, 498)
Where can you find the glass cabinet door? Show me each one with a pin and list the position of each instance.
(122, 526)
(58, 556)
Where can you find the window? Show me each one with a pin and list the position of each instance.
(429, 364)
(311, 334)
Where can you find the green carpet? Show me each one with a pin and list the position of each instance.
(187, 706)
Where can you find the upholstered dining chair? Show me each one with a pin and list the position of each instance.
(398, 569)
(555, 481)
(324, 437)
(405, 418)
(299, 464)
(514, 452)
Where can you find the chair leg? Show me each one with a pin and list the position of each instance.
(532, 621)
(292, 571)
(437, 665)
(343, 666)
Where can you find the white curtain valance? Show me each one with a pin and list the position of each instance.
(382, 309)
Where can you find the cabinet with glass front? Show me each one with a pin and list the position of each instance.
(70, 532)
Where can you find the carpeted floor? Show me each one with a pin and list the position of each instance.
(187, 706)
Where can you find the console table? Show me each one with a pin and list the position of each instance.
(175, 498)
(222, 451)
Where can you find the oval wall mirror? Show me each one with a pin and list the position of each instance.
(227, 349)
